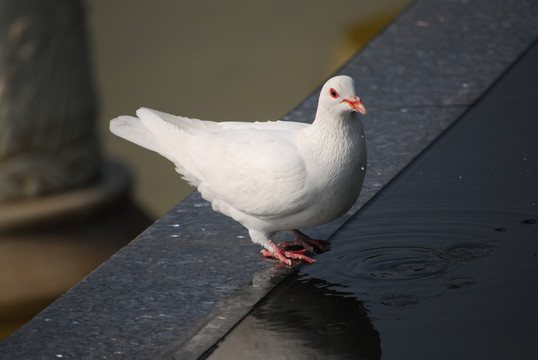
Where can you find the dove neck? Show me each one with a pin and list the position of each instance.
(337, 125)
(334, 149)
(340, 134)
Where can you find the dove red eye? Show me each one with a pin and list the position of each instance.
(334, 93)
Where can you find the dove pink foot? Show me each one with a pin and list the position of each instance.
(286, 256)
(306, 242)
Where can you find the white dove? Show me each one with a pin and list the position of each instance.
(269, 176)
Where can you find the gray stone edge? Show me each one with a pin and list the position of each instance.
(416, 77)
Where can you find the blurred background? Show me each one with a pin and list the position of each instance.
(228, 60)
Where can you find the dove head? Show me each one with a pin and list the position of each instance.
(338, 97)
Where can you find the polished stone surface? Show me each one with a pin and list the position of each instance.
(182, 284)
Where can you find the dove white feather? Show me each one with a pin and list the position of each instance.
(269, 176)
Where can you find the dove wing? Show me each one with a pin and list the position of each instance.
(259, 173)
(256, 169)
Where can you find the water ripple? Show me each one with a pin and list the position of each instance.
(394, 263)
(465, 251)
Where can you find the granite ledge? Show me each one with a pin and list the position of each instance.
(178, 287)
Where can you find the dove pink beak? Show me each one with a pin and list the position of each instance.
(356, 104)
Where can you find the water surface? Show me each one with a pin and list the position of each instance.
(441, 264)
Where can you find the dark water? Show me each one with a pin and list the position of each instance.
(441, 264)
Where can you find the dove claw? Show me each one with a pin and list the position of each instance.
(290, 244)
(306, 242)
(287, 256)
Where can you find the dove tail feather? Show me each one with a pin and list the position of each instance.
(168, 134)
(130, 128)
(168, 130)
(148, 131)
(162, 133)
(181, 121)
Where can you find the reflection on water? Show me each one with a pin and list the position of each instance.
(303, 319)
